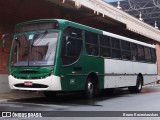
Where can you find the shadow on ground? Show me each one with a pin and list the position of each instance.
(78, 98)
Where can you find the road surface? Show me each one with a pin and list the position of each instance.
(119, 103)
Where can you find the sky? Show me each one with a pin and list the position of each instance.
(113, 0)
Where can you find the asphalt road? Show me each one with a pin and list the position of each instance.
(122, 101)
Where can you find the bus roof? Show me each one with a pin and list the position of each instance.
(64, 22)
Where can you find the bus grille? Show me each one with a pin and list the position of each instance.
(43, 77)
(33, 86)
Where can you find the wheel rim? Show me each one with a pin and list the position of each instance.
(139, 85)
(90, 88)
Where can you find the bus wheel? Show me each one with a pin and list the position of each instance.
(138, 87)
(50, 94)
(90, 88)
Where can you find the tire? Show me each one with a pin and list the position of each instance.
(50, 94)
(138, 87)
(90, 89)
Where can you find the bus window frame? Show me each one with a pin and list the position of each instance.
(143, 60)
(106, 47)
(145, 54)
(136, 57)
(124, 50)
(62, 35)
(96, 45)
(119, 49)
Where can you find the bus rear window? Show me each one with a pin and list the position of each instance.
(37, 26)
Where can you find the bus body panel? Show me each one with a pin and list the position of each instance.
(75, 75)
(52, 83)
(120, 73)
(143, 68)
(97, 66)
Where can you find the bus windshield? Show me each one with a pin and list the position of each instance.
(34, 49)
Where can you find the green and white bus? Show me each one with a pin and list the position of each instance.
(56, 55)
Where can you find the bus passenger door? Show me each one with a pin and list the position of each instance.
(71, 59)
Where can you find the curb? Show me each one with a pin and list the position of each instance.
(12, 99)
(4, 100)
(5, 97)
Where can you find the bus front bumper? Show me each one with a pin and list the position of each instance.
(51, 83)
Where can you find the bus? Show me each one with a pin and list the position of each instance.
(57, 55)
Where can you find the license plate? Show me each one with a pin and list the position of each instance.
(28, 83)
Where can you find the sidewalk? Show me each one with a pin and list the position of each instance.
(4, 97)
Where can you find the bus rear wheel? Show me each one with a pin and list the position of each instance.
(138, 87)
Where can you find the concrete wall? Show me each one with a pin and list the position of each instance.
(4, 87)
(158, 58)
(11, 13)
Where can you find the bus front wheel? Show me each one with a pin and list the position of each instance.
(138, 87)
(90, 88)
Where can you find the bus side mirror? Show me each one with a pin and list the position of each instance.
(3, 39)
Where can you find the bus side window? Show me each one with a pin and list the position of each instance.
(68, 46)
(126, 50)
(71, 45)
(134, 54)
(116, 52)
(91, 43)
(153, 54)
(141, 53)
(105, 50)
(147, 52)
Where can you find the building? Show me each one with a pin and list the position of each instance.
(94, 13)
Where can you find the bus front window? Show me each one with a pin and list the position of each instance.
(34, 49)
